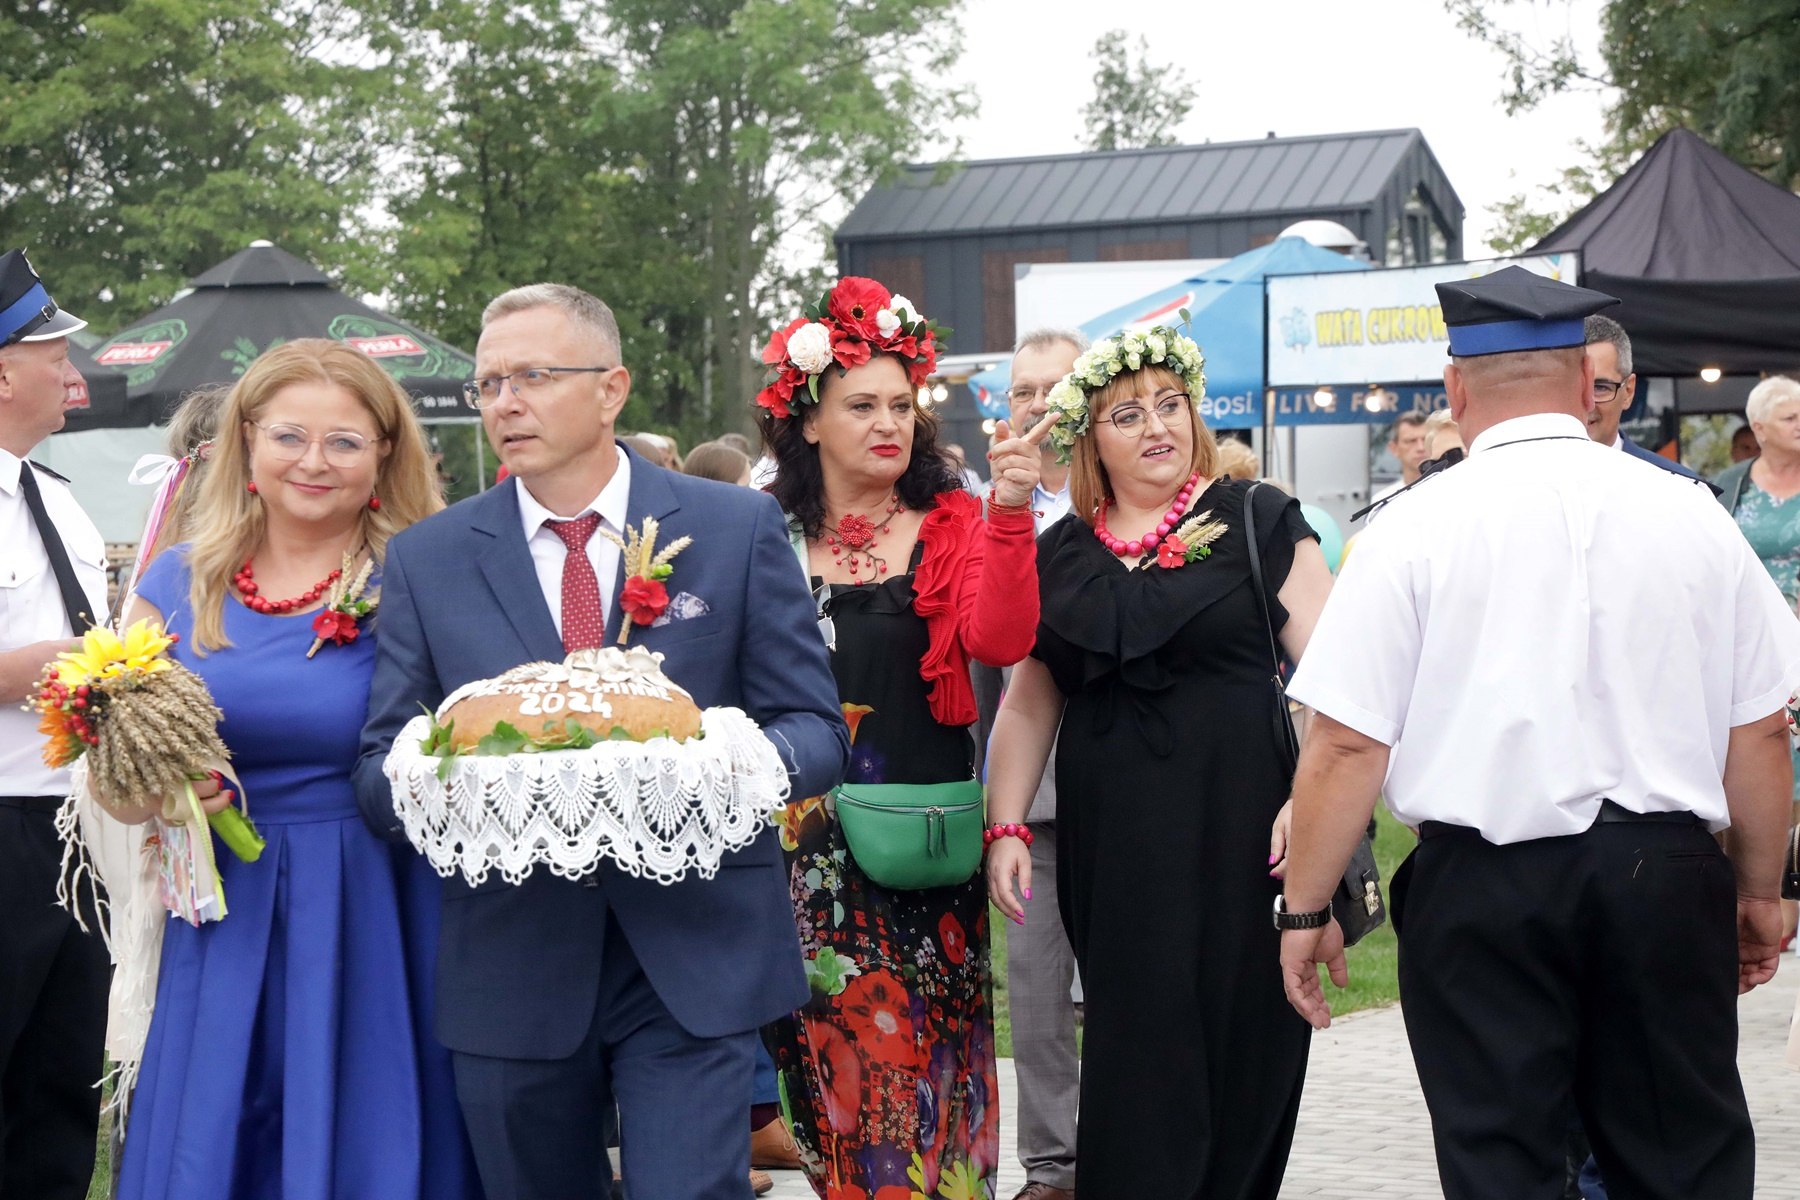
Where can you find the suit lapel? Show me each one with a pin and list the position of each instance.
(651, 496)
(505, 562)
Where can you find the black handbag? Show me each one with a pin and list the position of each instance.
(1357, 902)
(1790, 878)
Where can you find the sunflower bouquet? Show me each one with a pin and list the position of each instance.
(148, 729)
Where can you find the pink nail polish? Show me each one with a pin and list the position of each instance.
(1273, 859)
(1028, 893)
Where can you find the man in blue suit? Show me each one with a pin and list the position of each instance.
(559, 997)
(1615, 384)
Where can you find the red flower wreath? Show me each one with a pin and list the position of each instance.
(848, 325)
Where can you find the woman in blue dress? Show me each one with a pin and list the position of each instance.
(291, 1055)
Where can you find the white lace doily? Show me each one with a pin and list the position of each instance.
(658, 809)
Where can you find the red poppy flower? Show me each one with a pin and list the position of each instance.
(848, 349)
(854, 303)
(840, 1073)
(881, 1013)
(775, 353)
(643, 600)
(337, 627)
(1170, 552)
(956, 943)
(777, 404)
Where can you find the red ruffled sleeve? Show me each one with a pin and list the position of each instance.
(976, 587)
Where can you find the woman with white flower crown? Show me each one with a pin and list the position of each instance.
(1156, 659)
(889, 1071)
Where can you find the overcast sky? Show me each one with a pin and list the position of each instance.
(1292, 66)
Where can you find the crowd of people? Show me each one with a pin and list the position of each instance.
(1057, 700)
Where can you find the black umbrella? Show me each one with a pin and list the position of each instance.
(260, 298)
(102, 401)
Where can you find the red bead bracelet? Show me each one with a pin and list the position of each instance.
(993, 833)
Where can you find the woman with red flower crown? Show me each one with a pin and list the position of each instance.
(290, 1054)
(889, 1071)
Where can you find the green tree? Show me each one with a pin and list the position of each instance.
(1718, 67)
(676, 157)
(1136, 103)
(141, 141)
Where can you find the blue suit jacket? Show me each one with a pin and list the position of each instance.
(1668, 464)
(519, 966)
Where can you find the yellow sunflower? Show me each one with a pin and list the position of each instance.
(104, 655)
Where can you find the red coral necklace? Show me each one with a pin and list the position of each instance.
(245, 580)
(852, 540)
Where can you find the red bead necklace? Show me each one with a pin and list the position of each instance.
(1138, 546)
(855, 535)
(245, 580)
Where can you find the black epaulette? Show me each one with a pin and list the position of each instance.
(46, 470)
(1435, 466)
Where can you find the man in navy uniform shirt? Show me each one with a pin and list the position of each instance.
(1572, 937)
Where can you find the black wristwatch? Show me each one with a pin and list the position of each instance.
(1306, 920)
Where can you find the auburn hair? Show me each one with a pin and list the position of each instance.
(1088, 483)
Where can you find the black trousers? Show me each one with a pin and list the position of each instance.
(53, 985)
(1594, 974)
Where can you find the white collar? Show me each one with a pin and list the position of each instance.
(1618, 440)
(1527, 428)
(613, 504)
(10, 466)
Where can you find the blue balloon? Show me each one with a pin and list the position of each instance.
(1331, 538)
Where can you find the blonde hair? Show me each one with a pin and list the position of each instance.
(1769, 395)
(1088, 484)
(191, 430)
(227, 521)
(1238, 460)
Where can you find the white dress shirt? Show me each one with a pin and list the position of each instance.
(31, 610)
(548, 550)
(1047, 508)
(1544, 626)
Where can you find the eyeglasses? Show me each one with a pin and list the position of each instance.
(288, 443)
(1606, 389)
(1133, 420)
(526, 381)
(1025, 395)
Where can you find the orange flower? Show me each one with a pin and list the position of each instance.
(853, 715)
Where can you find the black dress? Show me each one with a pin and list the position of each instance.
(1168, 778)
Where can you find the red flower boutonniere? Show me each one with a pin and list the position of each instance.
(1193, 541)
(345, 607)
(644, 597)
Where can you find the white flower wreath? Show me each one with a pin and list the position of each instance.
(1108, 358)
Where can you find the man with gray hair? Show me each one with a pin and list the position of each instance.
(1040, 966)
(560, 996)
(1615, 384)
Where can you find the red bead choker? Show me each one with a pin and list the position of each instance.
(245, 581)
(852, 540)
(1138, 546)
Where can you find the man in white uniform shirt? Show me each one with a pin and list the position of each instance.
(1040, 965)
(53, 977)
(1572, 937)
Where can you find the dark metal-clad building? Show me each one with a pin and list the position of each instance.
(949, 235)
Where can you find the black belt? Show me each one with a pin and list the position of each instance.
(1610, 814)
(37, 804)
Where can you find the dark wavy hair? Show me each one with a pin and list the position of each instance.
(799, 484)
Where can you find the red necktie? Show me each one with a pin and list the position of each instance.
(583, 624)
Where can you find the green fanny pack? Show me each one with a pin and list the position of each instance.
(910, 836)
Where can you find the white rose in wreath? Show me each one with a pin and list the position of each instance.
(900, 304)
(810, 347)
(886, 323)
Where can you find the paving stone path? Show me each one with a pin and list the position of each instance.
(1364, 1131)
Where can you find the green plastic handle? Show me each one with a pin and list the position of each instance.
(236, 831)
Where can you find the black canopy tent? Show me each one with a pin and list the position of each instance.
(103, 401)
(256, 299)
(1705, 257)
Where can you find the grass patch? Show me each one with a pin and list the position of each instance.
(1374, 961)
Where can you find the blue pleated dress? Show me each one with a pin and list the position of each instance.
(291, 1055)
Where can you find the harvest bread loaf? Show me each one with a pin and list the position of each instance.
(610, 692)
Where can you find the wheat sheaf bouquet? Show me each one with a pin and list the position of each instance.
(148, 729)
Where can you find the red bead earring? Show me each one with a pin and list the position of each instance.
(251, 487)
(375, 503)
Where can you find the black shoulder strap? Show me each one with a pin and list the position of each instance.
(75, 604)
(1284, 728)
